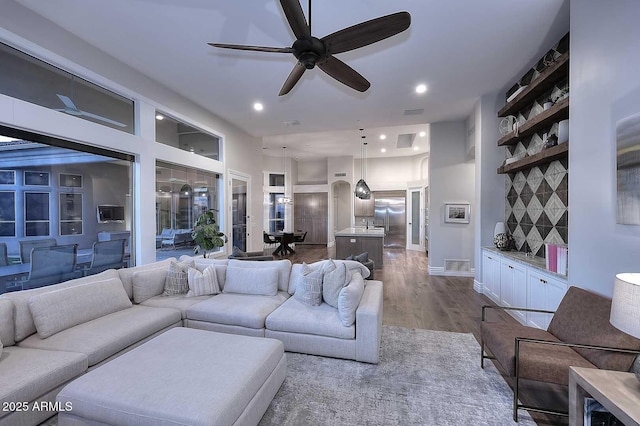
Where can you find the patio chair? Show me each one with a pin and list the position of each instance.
(52, 265)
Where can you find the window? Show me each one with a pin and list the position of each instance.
(36, 208)
(170, 131)
(276, 179)
(7, 213)
(32, 80)
(36, 178)
(70, 181)
(7, 177)
(276, 212)
(70, 214)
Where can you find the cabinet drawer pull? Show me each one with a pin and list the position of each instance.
(490, 258)
(510, 267)
(543, 281)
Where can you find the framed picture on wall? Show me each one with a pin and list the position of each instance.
(456, 213)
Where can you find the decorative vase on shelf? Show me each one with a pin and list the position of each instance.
(563, 131)
(502, 241)
(547, 105)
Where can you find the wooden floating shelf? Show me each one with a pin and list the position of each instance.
(556, 113)
(544, 156)
(537, 87)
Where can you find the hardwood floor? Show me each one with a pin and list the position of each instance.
(414, 299)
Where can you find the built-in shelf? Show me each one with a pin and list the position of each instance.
(545, 81)
(557, 112)
(545, 156)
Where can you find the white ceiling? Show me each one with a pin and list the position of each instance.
(461, 49)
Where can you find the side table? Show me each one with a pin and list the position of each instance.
(617, 391)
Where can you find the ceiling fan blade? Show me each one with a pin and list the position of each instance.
(366, 33)
(67, 102)
(344, 73)
(253, 48)
(293, 78)
(298, 23)
(101, 118)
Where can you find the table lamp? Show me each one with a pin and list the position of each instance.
(625, 308)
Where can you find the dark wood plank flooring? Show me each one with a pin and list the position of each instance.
(414, 299)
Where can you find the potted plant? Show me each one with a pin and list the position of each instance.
(206, 233)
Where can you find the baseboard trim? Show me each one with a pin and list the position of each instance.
(478, 287)
(439, 270)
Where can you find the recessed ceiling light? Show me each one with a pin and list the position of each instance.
(159, 117)
(258, 106)
(383, 137)
(383, 150)
(422, 134)
(421, 88)
(415, 148)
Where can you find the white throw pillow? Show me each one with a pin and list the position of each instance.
(309, 288)
(349, 299)
(202, 283)
(333, 282)
(148, 283)
(62, 309)
(260, 281)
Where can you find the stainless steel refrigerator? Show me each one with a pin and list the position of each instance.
(390, 214)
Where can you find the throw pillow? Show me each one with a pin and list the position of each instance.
(329, 266)
(333, 282)
(349, 299)
(202, 283)
(350, 257)
(309, 288)
(236, 252)
(0, 347)
(148, 283)
(362, 257)
(260, 281)
(177, 278)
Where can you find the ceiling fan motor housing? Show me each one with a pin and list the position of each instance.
(309, 51)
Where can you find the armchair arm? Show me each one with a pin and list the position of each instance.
(513, 308)
(572, 345)
(369, 323)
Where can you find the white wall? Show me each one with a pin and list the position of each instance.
(604, 87)
(393, 173)
(29, 32)
(311, 172)
(451, 179)
(489, 186)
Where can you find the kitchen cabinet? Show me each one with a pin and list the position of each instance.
(364, 208)
(310, 215)
(513, 287)
(353, 241)
(491, 276)
(544, 292)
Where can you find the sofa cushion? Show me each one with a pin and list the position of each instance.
(583, 317)
(352, 266)
(148, 283)
(177, 278)
(179, 301)
(26, 374)
(283, 266)
(333, 282)
(23, 321)
(309, 288)
(246, 310)
(259, 281)
(362, 257)
(296, 317)
(103, 337)
(1, 347)
(202, 283)
(7, 329)
(58, 310)
(126, 274)
(349, 299)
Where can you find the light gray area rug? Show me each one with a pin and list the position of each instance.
(424, 378)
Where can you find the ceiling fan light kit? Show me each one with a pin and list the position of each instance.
(311, 51)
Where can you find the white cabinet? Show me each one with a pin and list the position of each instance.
(491, 275)
(513, 287)
(544, 292)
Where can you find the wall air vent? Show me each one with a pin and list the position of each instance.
(457, 265)
(343, 174)
(291, 123)
(418, 111)
(405, 140)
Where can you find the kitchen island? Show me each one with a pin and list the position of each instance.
(353, 241)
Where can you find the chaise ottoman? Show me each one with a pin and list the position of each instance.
(184, 376)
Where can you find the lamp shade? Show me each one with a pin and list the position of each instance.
(625, 304)
(499, 229)
(362, 190)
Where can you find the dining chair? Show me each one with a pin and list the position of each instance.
(4, 258)
(269, 242)
(106, 255)
(52, 265)
(300, 238)
(27, 245)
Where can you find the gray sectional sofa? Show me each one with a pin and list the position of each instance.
(51, 335)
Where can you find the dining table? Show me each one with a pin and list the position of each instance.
(283, 247)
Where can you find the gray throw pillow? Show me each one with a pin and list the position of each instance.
(362, 257)
(177, 278)
(350, 257)
(333, 282)
(309, 289)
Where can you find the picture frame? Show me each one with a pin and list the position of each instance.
(457, 212)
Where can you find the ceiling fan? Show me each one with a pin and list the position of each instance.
(311, 51)
(71, 109)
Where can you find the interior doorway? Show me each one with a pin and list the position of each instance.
(341, 205)
(415, 230)
(239, 185)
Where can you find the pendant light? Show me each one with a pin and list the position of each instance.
(362, 189)
(284, 199)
